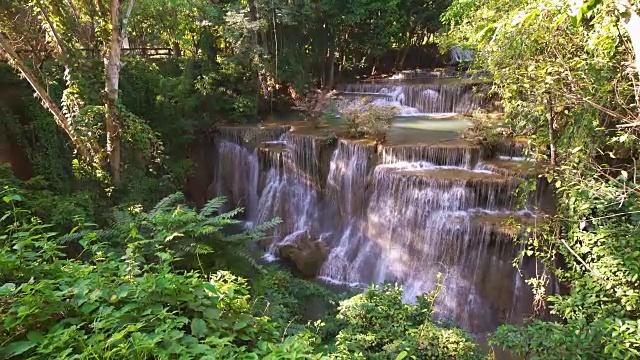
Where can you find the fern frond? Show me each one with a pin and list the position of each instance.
(167, 203)
(204, 249)
(213, 205)
(245, 255)
(261, 230)
(268, 225)
(231, 214)
(74, 237)
(207, 230)
(238, 239)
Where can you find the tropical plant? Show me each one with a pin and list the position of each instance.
(194, 234)
(369, 120)
(562, 72)
(126, 302)
(379, 325)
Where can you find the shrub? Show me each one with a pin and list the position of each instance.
(378, 325)
(369, 121)
(127, 302)
(295, 303)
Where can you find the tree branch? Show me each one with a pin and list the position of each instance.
(61, 46)
(48, 102)
(125, 19)
(631, 125)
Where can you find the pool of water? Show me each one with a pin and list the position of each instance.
(426, 129)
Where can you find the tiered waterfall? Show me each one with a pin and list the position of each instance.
(400, 214)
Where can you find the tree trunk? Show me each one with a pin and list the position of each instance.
(403, 58)
(58, 116)
(632, 25)
(332, 69)
(113, 65)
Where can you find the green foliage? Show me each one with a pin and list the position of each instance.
(121, 302)
(295, 303)
(560, 69)
(194, 234)
(378, 325)
(369, 121)
(24, 119)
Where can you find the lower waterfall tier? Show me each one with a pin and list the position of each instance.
(356, 213)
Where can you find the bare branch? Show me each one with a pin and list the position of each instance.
(631, 23)
(125, 19)
(631, 125)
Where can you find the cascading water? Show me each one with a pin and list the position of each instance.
(397, 213)
(458, 54)
(347, 185)
(420, 223)
(418, 99)
(239, 186)
(289, 191)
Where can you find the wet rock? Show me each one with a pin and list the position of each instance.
(266, 242)
(306, 255)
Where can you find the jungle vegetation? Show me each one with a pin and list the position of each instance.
(96, 262)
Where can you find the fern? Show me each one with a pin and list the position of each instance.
(212, 206)
(200, 233)
(167, 203)
(243, 254)
(231, 214)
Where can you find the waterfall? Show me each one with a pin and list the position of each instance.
(458, 54)
(347, 185)
(390, 212)
(290, 192)
(237, 177)
(417, 99)
(437, 154)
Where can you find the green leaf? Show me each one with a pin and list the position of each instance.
(209, 287)
(486, 33)
(11, 198)
(402, 355)
(35, 336)
(7, 288)
(239, 325)
(198, 327)
(17, 348)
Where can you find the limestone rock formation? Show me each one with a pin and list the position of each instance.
(306, 254)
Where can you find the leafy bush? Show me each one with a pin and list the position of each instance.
(369, 121)
(562, 71)
(378, 325)
(294, 303)
(128, 302)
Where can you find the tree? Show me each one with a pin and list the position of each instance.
(561, 71)
(119, 18)
(71, 31)
(631, 22)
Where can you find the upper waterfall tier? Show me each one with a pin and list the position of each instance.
(421, 98)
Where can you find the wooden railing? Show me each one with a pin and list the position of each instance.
(143, 52)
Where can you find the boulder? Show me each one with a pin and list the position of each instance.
(305, 254)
